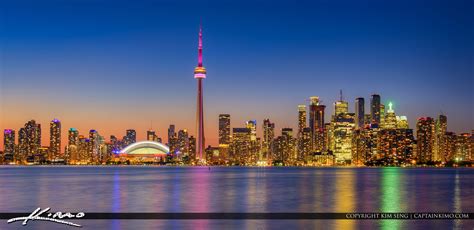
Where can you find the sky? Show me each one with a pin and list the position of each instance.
(116, 65)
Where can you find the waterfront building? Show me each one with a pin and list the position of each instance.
(301, 118)
(241, 146)
(304, 145)
(463, 147)
(130, 137)
(172, 139)
(284, 152)
(268, 137)
(183, 143)
(375, 109)
(322, 159)
(425, 139)
(316, 122)
(143, 152)
(252, 125)
(224, 130)
(359, 112)
(441, 127)
(54, 139)
(9, 145)
(395, 146)
(449, 145)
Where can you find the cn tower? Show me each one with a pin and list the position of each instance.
(199, 74)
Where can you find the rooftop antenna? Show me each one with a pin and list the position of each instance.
(340, 95)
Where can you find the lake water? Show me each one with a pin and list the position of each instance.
(237, 189)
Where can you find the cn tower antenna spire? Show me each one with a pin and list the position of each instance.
(200, 47)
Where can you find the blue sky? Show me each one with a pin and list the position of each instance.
(113, 65)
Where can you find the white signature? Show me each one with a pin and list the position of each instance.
(56, 217)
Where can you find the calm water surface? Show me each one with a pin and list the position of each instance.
(235, 189)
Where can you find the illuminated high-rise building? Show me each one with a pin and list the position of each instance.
(390, 120)
(285, 148)
(367, 120)
(395, 146)
(55, 139)
(449, 145)
(375, 109)
(441, 127)
(72, 148)
(361, 147)
(130, 137)
(241, 146)
(73, 136)
(200, 74)
(151, 135)
(463, 147)
(316, 124)
(425, 139)
(29, 139)
(316, 114)
(341, 106)
(304, 144)
(252, 125)
(94, 143)
(268, 137)
(192, 148)
(402, 122)
(343, 127)
(224, 130)
(359, 112)
(382, 115)
(9, 144)
(301, 118)
(183, 142)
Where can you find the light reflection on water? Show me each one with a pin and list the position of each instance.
(235, 189)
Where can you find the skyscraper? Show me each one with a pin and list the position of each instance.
(390, 120)
(151, 135)
(316, 114)
(441, 127)
(131, 136)
(375, 109)
(93, 153)
(224, 130)
(268, 136)
(55, 138)
(172, 139)
(316, 123)
(425, 139)
(183, 142)
(73, 136)
(341, 106)
(301, 119)
(29, 139)
(240, 148)
(200, 74)
(9, 143)
(359, 112)
(252, 125)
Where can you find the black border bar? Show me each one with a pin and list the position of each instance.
(258, 216)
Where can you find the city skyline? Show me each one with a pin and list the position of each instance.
(147, 80)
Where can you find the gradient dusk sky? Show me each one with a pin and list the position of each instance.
(115, 65)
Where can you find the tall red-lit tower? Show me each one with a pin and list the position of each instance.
(200, 74)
